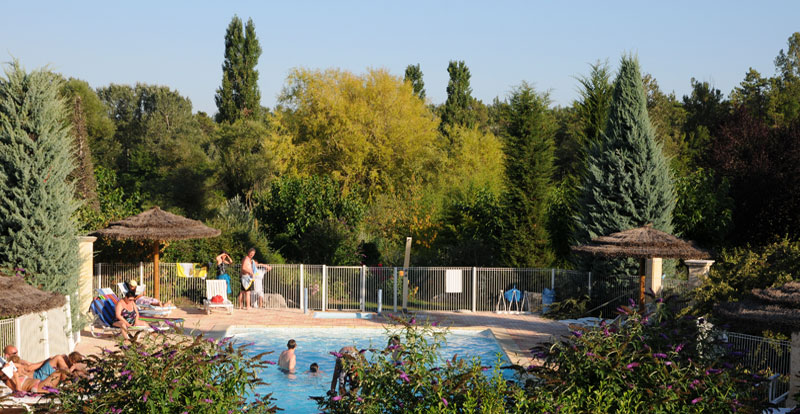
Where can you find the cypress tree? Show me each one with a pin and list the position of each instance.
(627, 182)
(37, 232)
(529, 148)
(457, 109)
(414, 75)
(238, 96)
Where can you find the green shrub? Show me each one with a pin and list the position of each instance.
(166, 373)
(656, 364)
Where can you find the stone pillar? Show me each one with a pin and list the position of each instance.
(794, 371)
(652, 275)
(86, 257)
(698, 269)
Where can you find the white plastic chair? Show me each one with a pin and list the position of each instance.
(214, 288)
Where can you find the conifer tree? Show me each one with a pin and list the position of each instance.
(414, 75)
(529, 148)
(457, 109)
(238, 96)
(627, 182)
(37, 232)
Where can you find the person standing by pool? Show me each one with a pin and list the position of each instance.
(287, 360)
(248, 266)
(223, 259)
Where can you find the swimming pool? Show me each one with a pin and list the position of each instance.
(314, 345)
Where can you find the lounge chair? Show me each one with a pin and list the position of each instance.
(146, 310)
(104, 309)
(217, 288)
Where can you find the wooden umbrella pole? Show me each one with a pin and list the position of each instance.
(156, 278)
(641, 284)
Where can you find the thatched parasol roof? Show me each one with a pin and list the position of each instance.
(776, 308)
(157, 224)
(642, 243)
(19, 298)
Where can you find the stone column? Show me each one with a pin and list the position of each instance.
(794, 371)
(698, 269)
(86, 257)
(652, 275)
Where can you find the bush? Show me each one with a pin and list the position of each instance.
(739, 270)
(165, 373)
(419, 380)
(656, 363)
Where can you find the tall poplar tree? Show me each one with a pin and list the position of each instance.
(528, 137)
(627, 182)
(457, 109)
(37, 232)
(414, 75)
(238, 96)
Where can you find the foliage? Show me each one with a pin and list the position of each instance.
(37, 229)
(459, 107)
(294, 206)
(571, 308)
(419, 380)
(83, 174)
(592, 109)
(368, 132)
(477, 160)
(239, 97)
(167, 373)
(705, 111)
(114, 203)
(528, 139)
(655, 363)
(414, 76)
(471, 229)
(704, 209)
(739, 270)
(330, 241)
(627, 183)
(100, 128)
(667, 116)
(762, 165)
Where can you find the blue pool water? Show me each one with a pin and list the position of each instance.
(342, 315)
(314, 345)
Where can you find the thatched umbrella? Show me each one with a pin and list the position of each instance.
(158, 226)
(19, 298)
(775, 308)
(642, 243)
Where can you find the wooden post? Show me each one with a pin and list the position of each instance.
(641, 284)
(156, 280)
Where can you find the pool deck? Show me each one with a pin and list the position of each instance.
(516, 334)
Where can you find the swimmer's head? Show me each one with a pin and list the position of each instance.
(314, 367)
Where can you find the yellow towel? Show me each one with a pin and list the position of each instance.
(185, 269)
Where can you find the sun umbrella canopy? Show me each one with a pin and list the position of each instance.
(642, 243)
(156, 224)
(19, 298)
(775, 308)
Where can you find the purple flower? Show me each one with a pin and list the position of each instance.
(444, 401)
(404, 377)
(694, 384)
(632, 365)
(577, 333)
(660, 355)
(484, 368)
(336, 354)
(679, 347)
(590, 354)
(144, 397)
(359, 399)
(435, 324)
(713, 371)
(697, 400)
(631, 302)
(175, 381)
(337, 398)
(412, 321)
(208, 400)
(124, 373)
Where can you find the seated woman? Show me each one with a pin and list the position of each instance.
(127, 313)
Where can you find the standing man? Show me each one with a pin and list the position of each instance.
(249, 266)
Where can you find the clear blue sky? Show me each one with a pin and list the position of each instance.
(180, 44)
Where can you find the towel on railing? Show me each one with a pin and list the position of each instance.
(185, 269)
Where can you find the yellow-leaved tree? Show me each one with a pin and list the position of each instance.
(369, 132)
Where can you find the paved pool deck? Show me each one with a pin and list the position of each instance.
(516, 334)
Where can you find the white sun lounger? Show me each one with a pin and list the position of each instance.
(160, 311)
(214, 288)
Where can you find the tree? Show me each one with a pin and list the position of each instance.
(627, 183)
(414, 76)
(528, 139)
(37, 231)
(239, 96)
(595, 100)
(667, 117)
(706, 109)
(99, 127)
(457, 110)
(368, 132)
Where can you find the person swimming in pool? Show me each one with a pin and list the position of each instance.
(314, 370)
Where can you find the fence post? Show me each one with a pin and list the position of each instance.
(303, 293)
(590, 284)
(380, 301)
(17, 336)
(474, 289)
(363, 295)
(45, 334)
(394, 284)
(68, 314)
(324, 288)
(553, 279)
(141, 273)
(305, 303)
(99, 277)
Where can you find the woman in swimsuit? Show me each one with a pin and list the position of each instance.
(127, 313)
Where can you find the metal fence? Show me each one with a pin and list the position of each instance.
(358, 287)
(8, 332)
(771, 357)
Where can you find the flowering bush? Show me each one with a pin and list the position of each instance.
(411, 377)
(167, 373)
(654, 363)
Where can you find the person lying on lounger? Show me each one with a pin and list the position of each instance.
(127, 313)
(13, 377)
(56, 368)
(142, 300)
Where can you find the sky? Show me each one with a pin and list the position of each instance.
(549, 44)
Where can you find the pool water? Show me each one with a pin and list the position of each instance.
(291, 391)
